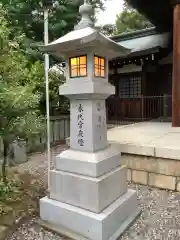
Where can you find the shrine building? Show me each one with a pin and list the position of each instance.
(147, 80)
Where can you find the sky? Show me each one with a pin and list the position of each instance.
(113, 7)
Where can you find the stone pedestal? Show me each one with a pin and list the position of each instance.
(89, 197)
(81, 224)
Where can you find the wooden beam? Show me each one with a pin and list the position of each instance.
(176, 69)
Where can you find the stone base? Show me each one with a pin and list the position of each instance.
(81, 224)
(87, 192)
(89, 164)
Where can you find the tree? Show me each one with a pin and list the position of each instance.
(14, 59)
(19, 114)
(58, 104)
(19, 117)
(27, 16)
(130, 20)
(107, 29)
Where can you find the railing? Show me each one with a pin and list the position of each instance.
(138, 109)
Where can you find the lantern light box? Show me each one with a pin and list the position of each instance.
(99, 66)
(78, 66)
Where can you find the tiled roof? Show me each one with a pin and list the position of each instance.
(143, 41)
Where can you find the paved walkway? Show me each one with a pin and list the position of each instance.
(148, 138)
(160, 218)
(147, 133)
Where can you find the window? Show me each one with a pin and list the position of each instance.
(99, 66)
(78, 66)
(130, 87)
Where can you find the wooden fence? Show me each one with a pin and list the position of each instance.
(60, 130)
(139, 109)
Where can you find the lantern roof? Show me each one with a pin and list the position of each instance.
(85, 37)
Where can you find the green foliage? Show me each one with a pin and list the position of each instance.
(16, 68)
(130, 20)
(22, 90)
(19, 117)
(56, 78)
(59, 103)
(107, 29)
(19, 99)
(17, 86)
(18, 110)
(27, 17)
(8, 189)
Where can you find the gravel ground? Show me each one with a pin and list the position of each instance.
(160, 218)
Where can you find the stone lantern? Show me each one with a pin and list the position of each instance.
(88, 198)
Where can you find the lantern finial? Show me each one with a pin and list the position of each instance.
(86, 11)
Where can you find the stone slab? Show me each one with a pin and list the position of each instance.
(151, 150)
(157, 139)
(87, 88)
(64, 232)
(90, 164)
(107, 225)
(169, 140)
(137, 149)
(169, 153)
(87, 192)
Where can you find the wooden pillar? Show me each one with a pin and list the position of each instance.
(144, 79)
(176, 68)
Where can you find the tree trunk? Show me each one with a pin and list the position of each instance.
(5, 154)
